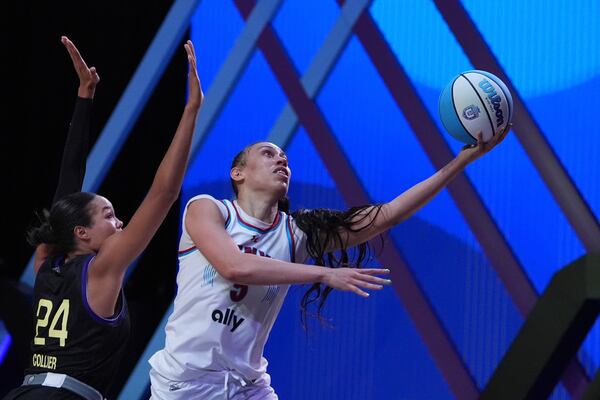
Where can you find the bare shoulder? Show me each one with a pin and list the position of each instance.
(108, 252)
(204, 208)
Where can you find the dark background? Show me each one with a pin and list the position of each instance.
(40, 87)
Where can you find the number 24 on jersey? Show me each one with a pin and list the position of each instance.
(44, 311)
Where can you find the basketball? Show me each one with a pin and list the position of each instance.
(475, 101)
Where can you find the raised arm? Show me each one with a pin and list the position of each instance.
(372, 222)
(205, 225)
(119, 250)
(72, 168)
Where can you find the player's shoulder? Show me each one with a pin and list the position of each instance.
(202, 199)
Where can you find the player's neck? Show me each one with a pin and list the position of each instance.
(258, 207)
(80, 250)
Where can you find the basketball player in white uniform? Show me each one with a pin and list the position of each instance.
(237, 260)
(219, 325)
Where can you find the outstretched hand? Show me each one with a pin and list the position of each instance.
(196, 96)
(475, 151)
(88, 77)
(353, 279)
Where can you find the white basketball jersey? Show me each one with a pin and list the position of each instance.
(217, 324)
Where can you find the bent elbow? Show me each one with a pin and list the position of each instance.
(228, 273)
(237, 275)
(228, 270)
(235, 272)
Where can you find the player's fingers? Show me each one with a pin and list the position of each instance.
(374, 279)
(193, 50)
(480, 142)
(502, 134)
(506, 130)
(374, 271)
(366, 285)
(74, 53)
(359, 292)
(190, 54)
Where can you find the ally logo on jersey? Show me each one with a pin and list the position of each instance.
(228, 318)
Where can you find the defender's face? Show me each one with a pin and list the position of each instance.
(104, 222)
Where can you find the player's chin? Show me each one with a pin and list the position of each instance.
(282, 180)
(282, 188)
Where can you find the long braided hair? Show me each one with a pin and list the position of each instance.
(322, 229)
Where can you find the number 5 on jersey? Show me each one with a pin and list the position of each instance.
(238, 292)
(62, 315)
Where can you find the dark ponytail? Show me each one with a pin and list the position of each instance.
(42, 233)
(322, 229)
(57, 225)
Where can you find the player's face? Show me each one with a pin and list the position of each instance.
(267, 169)
(104, 222)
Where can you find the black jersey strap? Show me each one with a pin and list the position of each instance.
(62, 381)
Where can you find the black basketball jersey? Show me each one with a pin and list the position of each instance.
(69, 338)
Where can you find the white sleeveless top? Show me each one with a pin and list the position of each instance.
(217, 324)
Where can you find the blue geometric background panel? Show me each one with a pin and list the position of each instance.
(362, 355)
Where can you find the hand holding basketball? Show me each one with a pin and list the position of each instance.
(474, 151)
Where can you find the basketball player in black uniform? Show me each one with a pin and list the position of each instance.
(82, 253)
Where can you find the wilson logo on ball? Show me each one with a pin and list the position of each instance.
(494, 98)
